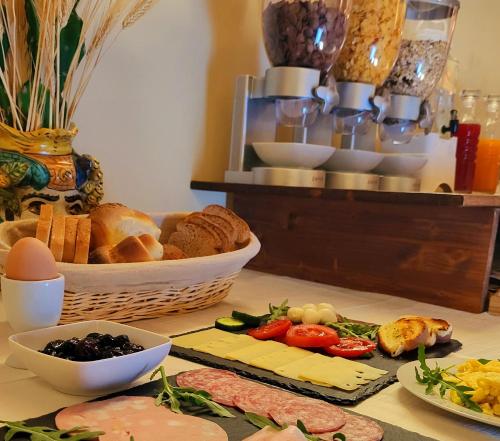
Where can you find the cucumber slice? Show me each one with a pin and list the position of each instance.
(229, 324)
(249, 320)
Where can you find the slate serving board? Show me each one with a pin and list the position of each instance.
(330, 394)
(236, 428)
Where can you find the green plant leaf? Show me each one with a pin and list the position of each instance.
(48, 434)
(70, 38)
(33, 29)
(260, 421)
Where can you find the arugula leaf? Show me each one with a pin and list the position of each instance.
(48, 434)
(483, 361)
(277, 311)
(434, 377)
(174, 397)
(346, 328)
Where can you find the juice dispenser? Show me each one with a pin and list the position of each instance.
(427, 36)
(365, 62)
(302, 39)
(488, 150)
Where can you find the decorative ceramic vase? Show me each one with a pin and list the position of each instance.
(41, 167)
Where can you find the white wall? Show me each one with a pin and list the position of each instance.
(158, 111)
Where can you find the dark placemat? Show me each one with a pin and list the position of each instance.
(330, 394)
(236, 428)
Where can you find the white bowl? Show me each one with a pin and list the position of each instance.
(89, 378)
(360, 161)
(401, 164)
(293, 154)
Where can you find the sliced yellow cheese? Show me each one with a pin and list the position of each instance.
(294, 369)
(272, 361)
(223, 346)
(341, 373)
(246, 355)
(189, 341)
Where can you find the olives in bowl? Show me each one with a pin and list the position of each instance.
(90, 358)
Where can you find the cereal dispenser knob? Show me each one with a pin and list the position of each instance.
(380, 106)
(329, 96)
(426, 119)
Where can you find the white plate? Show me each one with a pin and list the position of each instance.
(406, 376)
(360, 161)
(89, 378)
(293, 154)
(401, 164)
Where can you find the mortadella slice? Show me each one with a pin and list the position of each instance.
(123, 417)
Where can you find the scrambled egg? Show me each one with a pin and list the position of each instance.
(484, 379)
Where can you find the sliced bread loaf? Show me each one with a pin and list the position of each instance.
(194, 240)
(222, 235)
(237, 222)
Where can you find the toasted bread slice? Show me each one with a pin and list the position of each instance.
(44, 224)
(403, 335)
(438, 327)
(70, 239)
(237, 222)
(82, 241)
(194, 240)
(57, 237)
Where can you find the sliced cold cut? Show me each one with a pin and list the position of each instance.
(268, 434)
(260, 399)
(317, 416)
(123, 417)
(358, 428)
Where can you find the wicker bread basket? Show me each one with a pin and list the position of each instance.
(133, 291)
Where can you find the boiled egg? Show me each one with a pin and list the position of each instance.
(30, 260)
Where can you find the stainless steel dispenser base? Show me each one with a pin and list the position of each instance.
(399, 184)
(352, 181)
(355, 96)
(289, 177)
(404, 107)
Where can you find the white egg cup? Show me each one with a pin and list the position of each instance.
(32, 305)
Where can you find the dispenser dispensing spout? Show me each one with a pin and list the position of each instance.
(454, 123)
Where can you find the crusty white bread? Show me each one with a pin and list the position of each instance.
(130, 250)
(44, 224)
(237, 222)
(441, 329)
(194, 240)
(112, 223)
(71, 224)
(57, 236)
(171, 252)
(101, 255)
(222, 237)
(154, 247)
(82, 241)
(403, 335)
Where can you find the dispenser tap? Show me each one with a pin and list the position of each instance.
(329, 96)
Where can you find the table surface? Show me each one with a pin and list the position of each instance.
(23, 395)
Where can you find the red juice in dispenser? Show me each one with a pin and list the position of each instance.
(468, 139)
(469, 131)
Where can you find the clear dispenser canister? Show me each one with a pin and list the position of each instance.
(373, 41)
(424, 50)
(305, 33)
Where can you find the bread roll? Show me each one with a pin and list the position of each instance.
(154, 247)
(112, 223)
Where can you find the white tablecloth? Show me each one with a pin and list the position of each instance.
(23, 395)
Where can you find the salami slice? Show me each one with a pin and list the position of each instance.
(357, 428)
(317, 416)
(123, 417)
(200, 378)
(260, 399)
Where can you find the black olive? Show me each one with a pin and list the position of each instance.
(105, 340)
(87, 350)
(93, 335)
(121, 340)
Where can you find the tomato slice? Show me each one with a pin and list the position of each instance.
(351, 347)
(274, 329)
(311, 336)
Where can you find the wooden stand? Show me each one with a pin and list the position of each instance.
(434, 248)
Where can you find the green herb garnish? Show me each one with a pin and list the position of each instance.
(174, 397)
(434, 377)
(277, 311)
(345, 328)
(48, 434)
(262, 422)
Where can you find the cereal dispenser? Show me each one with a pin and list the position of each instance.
(365, 62)
(295, 96)
(427, 35)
